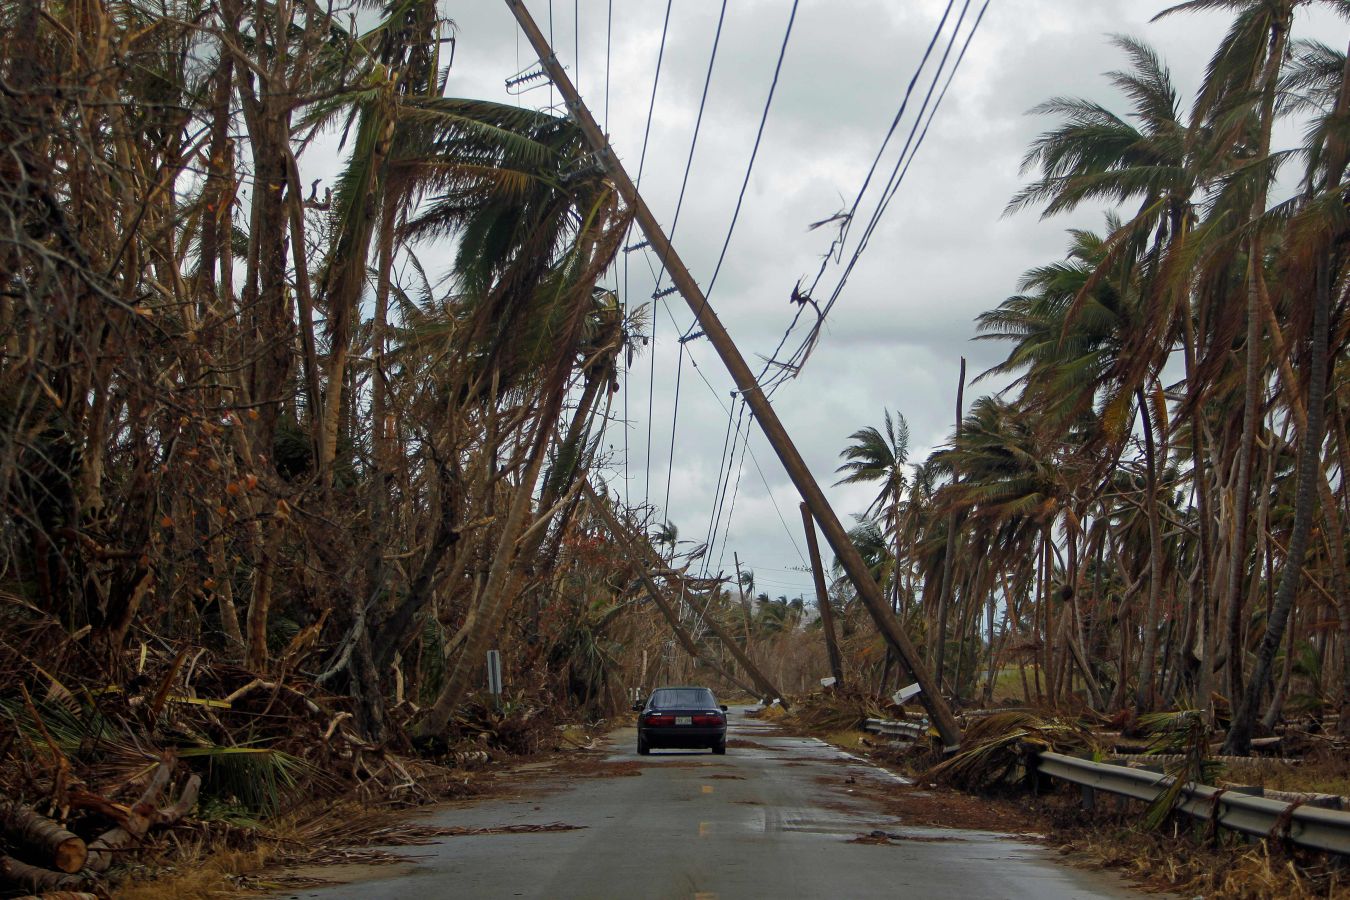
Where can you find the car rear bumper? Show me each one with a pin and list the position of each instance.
(682, 736)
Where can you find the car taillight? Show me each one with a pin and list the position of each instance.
(660, 720)
(709, 719)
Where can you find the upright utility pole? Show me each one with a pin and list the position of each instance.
(796, 468)
(945, 593)
(823, 598)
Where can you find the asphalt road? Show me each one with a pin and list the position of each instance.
(768, 821)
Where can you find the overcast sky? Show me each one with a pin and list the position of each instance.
(943, 253)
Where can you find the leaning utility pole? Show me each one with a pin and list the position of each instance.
(823, 598)
(801, 476)
(642, 563)
(766, 687)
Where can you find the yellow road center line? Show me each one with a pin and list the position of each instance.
(705, 895)
(707, 789)
(703, 829)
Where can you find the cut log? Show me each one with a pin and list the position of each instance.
(31, 878)
(25, 828)
(104, 849)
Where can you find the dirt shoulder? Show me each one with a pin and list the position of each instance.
(349, 840)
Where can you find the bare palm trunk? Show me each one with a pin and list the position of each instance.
(1305, 501)
(1145, 696)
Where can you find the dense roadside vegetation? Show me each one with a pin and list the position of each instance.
(1154, 514)
(280, 463)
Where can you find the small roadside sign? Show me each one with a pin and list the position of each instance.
(494, 668)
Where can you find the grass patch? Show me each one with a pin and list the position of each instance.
(847, 740)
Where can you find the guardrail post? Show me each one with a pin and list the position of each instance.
(1089, 798)
(1036, 781)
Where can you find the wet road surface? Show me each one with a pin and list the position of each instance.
(763, 821)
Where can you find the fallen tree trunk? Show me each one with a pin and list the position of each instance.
(26, 829)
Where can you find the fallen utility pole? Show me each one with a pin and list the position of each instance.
(868, 589)
(601, 505)
(823, 598)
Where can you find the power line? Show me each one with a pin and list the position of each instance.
(794, 363)
(675, 222)
(698, 124)
(609, 41)
(735, 492)
(642, 162)
(651, 105)
(754, 459)
(862, 191)
(651, 393)
(707, 536)
(731, 464)
(674, 422)
(906, 155)
(754, 153)
(728, 462)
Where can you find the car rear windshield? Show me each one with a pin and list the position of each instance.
(681, 698)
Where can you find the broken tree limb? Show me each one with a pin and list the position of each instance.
(24, 828)
(104, 848)
(278, 687)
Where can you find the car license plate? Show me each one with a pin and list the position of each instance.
(684, 720)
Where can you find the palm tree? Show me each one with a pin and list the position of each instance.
(666, 535)
(1161, 162)
(877, 457)
(1316, 275)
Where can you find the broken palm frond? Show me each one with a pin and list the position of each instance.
(1185, 733)
(88, 765)
(261, 779)
(996, 749)
(839, 710)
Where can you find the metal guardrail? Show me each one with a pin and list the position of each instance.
(1308, 826)
(909, 730)
(1303, 824)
